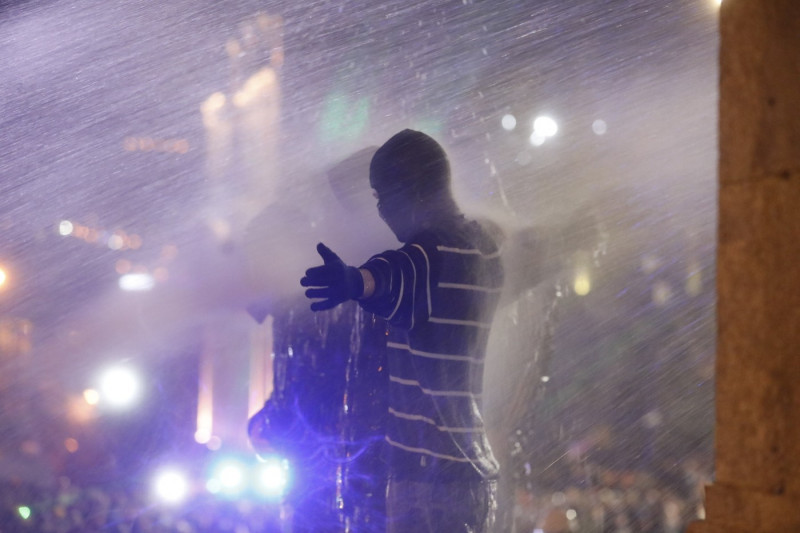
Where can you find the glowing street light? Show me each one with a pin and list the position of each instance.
(3, 277)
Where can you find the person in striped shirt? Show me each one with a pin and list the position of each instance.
(438, 293)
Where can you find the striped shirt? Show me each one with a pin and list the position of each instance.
(438, 293)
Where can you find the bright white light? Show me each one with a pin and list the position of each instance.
(91, 396)
(599, 127)
(545, 126)
(119, 386)
(3, 277)
(202, 436)
(537, 139)
(273, 477)
(65, 228)
(229, 476)
(509, 122)
(136, 282)
(171, 486)
(572, 514)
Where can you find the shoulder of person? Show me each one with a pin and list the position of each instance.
(429, 239)
(463, 233)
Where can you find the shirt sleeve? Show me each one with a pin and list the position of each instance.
(404, 281)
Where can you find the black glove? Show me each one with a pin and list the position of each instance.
(334, 281)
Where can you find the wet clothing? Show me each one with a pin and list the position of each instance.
(438, 293)
(455, 507)
(324, 417)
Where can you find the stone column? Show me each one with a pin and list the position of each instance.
(757, 478)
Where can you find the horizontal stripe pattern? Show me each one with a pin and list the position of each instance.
(408, 416)
(425, 451)
(465, 287)
(434, 355)
(459, 322)
(439, 293)
(433, 392)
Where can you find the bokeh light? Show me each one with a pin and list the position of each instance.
(115, 242)
(171, 486)
(662, 292)
(272, 476)
(582, 284)
(537, 139)
(65, 227)
(71, 445)
(202, 436)
(91, 396)
(545, 126)
(79, 411)
(122, 266)
(136, 282)
(119, 386)
(229, 474)
(599, 127)
(214, 443)
(509, 122)
(213, 486)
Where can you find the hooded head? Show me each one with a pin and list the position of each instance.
(410, 174)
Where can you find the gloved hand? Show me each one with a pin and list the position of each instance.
(334, 281)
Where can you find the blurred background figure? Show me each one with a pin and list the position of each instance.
(327, 408)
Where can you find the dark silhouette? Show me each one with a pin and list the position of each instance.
(438, 293)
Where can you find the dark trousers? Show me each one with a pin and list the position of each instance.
(439, 507)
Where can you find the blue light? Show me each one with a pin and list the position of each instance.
(233, 477)
(272, 477)
(228, 477)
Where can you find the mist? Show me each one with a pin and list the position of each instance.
(131, 145)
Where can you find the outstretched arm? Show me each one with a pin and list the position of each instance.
(335, 282)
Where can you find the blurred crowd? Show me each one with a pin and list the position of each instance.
(68, 508)
(611, 502)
